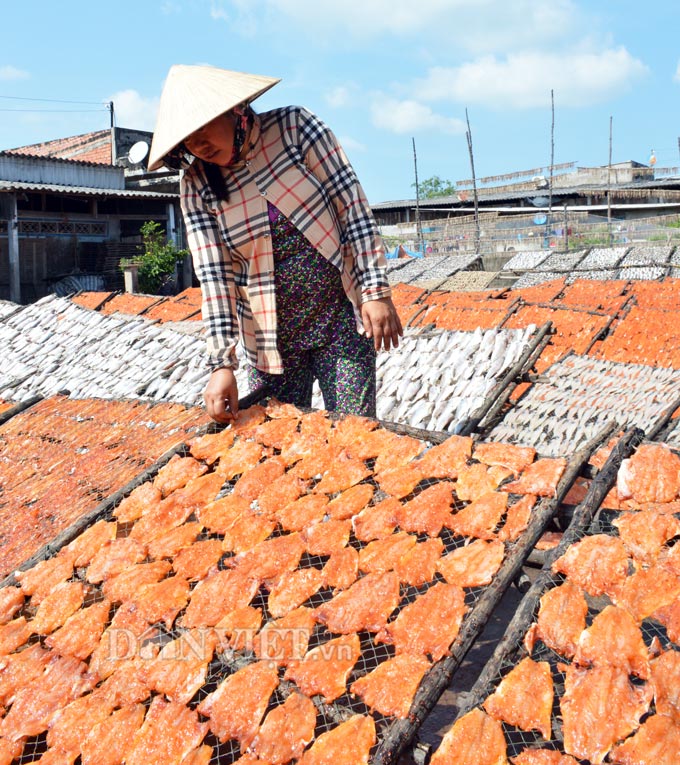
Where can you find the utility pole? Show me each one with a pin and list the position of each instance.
(468, 135)
(548, 222)
(110, 108)
(609, 184)
(419, 228)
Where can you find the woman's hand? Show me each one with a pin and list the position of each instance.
(221, 396)
(382, 323)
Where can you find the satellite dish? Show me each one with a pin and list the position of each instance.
(540, 219)
(540, 201)
(138, 152)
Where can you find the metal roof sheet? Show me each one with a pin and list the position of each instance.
(84, 190)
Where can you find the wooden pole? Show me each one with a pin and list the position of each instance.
(609, 184)
(419, 229)
(548, 222)
(468, 135)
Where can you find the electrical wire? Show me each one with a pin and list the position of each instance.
(52, 100)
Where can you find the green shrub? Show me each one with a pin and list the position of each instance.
(157, 260)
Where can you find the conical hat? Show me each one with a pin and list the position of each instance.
(194, 95)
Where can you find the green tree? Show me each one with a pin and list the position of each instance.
(157, 260)
(435, 187)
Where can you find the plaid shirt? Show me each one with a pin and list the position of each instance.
(296, 164)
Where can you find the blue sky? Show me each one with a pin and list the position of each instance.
(379, 72)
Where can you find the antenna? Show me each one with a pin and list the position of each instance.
(138, 152)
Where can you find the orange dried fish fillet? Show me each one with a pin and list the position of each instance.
(599, 707)
(517, 518)
(177, 473)
(341, 474)
(419, 564)
(543, 757)
(596, 563)
(181, 667)
(194, 562)
(646, 590)
(69, 725)
(474, 739)
(248, 419)
(239, 702)
(561, 619)
(540, 478)
(429, 624)
(669, 616)
(389, 689)
(114, 557)
(348, 744)
(138, 502)
(11, 601)
(614, 638)
(350, 429)
(286, 730)
(524, 697)
(237, 460)
(54, 610)
(169, 732)
(445, 459)
(644, 533)
(650, 475)
(303, 512)
(246, 532)
(285, 640)
(481, 517)
(326, 537)
(370, 443)
(211, 446)
(240, 627)
(292, 589)
(81, 632)
(325, 669)
(383, 554)
(276, 432)
(199, 491)
(218, 516)
(39, 580)
(341, 569)
(126, 685)
(350, 502)
(14, 634)
(10, 750)
(511, 456)
(655, 742)
(257, 478)
(214, 597)
(399, 482)
(429, 511)
(271, 558)
(475, 481)
(162, 601)
(280, 492)
(86, 545)
(365, 605)
(169, 544)
(315, 463)
(123, 586)
(398, 451)
(666, 683)
(169, 513)
(21, 668)
(110, 740)
(64, 679)
(473, 565)
(201, 756)
(124, 639)
(377, 522)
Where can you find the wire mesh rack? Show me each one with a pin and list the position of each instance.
(589, 518)
(392, 733)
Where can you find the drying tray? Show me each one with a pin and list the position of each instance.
(393, 734)
(589, 518)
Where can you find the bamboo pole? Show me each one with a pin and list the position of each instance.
(439, 677)
(419, 229)
(609, 184)
(468, 135)
(20, 407)
(548, 222)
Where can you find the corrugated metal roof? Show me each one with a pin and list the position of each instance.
(84, 190)
(43, 157)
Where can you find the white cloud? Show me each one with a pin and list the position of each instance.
(411, 117)
(170, 8)
(8, 72)
(524, 80)
(134, 111)
(677, 73)
(241, 15)
(338, 97)
(350, 144)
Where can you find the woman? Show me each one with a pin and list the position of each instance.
(283, 243)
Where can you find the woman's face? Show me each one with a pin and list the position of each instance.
(214, 142)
